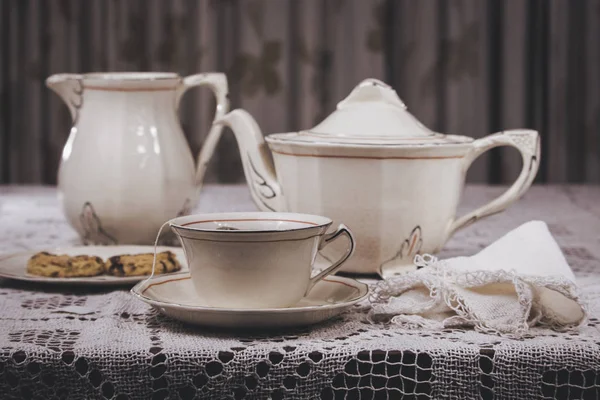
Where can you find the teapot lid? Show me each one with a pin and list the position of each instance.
(373, 114)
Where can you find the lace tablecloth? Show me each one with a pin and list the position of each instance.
(100, 343)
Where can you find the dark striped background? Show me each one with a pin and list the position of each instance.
(463, 66)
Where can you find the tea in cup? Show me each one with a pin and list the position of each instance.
(256, 259)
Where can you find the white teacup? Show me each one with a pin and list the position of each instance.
(255, 259)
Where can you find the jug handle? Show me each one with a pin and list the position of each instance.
(528, 144)
(217, 82)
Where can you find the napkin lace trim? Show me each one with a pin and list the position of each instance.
(442, 282)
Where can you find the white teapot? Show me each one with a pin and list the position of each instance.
(374, 167)
(126, 167)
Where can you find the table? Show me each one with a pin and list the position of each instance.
(100, 343)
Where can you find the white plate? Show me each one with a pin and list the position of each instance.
(14, 266)
(175, 296)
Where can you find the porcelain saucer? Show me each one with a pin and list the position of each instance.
(174, 295)
(14, 266)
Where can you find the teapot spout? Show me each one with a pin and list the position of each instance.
(257, 162)
(70, 90)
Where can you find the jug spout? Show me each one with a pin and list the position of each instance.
(256, 160)
(70, 89)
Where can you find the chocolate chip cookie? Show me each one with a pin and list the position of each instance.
(64, 266)
(141, 264)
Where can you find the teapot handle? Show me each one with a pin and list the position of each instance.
(528, 144)
(217, 82)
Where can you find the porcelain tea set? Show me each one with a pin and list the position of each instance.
(371, 165)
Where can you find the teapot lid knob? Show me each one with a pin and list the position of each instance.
(371, 90)
(372, 112)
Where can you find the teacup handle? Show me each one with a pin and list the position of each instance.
(217, 82)
(528, 144)
(342, 230)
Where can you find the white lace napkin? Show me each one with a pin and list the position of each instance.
(519, 281)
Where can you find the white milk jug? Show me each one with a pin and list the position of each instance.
(126, 167)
